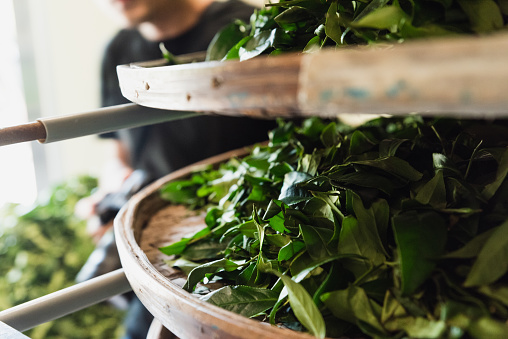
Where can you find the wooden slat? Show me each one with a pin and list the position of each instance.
(465, 76)
(21, 133)
(262, 87)
(457, 77)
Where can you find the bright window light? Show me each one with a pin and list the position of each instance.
(17, 173)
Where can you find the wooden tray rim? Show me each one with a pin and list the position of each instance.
(210, 318)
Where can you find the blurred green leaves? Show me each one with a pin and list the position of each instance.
(42, 248)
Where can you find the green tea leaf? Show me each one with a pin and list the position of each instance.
(394, 166)
(353, 304)
(484, 15)
(332, 24)
(179, 246)
(225, 39)
(360, 143)
(257, 45)
(491, 263)
(183, 264)
(304, 307)
(244, 300)
(353, 241)
(388, 17)
(291, 193)
(389, 147)
(198, 273)
(497, 292)
(365, 179)
(420, 327)
(433, 192)
(501, 173)
(287, 252)
(205, 249)
(421, 238)
(486, 327)
(316, 240)
(472, 248)
(368, 225)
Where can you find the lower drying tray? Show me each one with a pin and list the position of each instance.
(147, 223)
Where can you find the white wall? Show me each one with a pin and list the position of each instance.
(69, 37)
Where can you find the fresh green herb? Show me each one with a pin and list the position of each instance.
(309, 25)
(396, 228)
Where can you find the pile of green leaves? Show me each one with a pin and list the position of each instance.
(397, 228)
(42, 248)
(308, 25)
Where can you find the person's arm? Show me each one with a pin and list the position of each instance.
(115, 173)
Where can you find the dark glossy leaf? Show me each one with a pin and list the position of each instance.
(257, 45)
(484, 15)
(353, 304)
(420, 327)
(442, 162)
(332, 25)
(360, 143)
(244, 300)
(292, 194)
(180, 192)
(389, 147)
(353, 241)
(501, 173)
(202, 250)
(395, 166)
(293, 18)
(367, 223)
(486, 327)
(313, 45)
(179, 246)
(309, 163)
(185, 265)
(433, 192)
(280, 169)
(287, 252)
(234, 52)
(491, 263)
(371, 7)
(420, 238)
(304, 307)
(365, 179)
(316, 240)
(330, 135)
(278, 240)
(248, 275)
(226, 39)
(503, 6)
(472, 248)
(388, 17)
(198, 273)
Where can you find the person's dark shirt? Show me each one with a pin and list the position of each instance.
(162, 148)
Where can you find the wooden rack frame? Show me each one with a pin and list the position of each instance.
(459, 77)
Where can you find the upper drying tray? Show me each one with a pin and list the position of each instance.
(466, 77)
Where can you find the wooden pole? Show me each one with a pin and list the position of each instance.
(25, 132)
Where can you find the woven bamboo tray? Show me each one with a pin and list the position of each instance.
(147, 223)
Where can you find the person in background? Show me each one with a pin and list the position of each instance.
(146, 153)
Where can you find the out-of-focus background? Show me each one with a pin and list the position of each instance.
(49, 65)
(50, 54)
